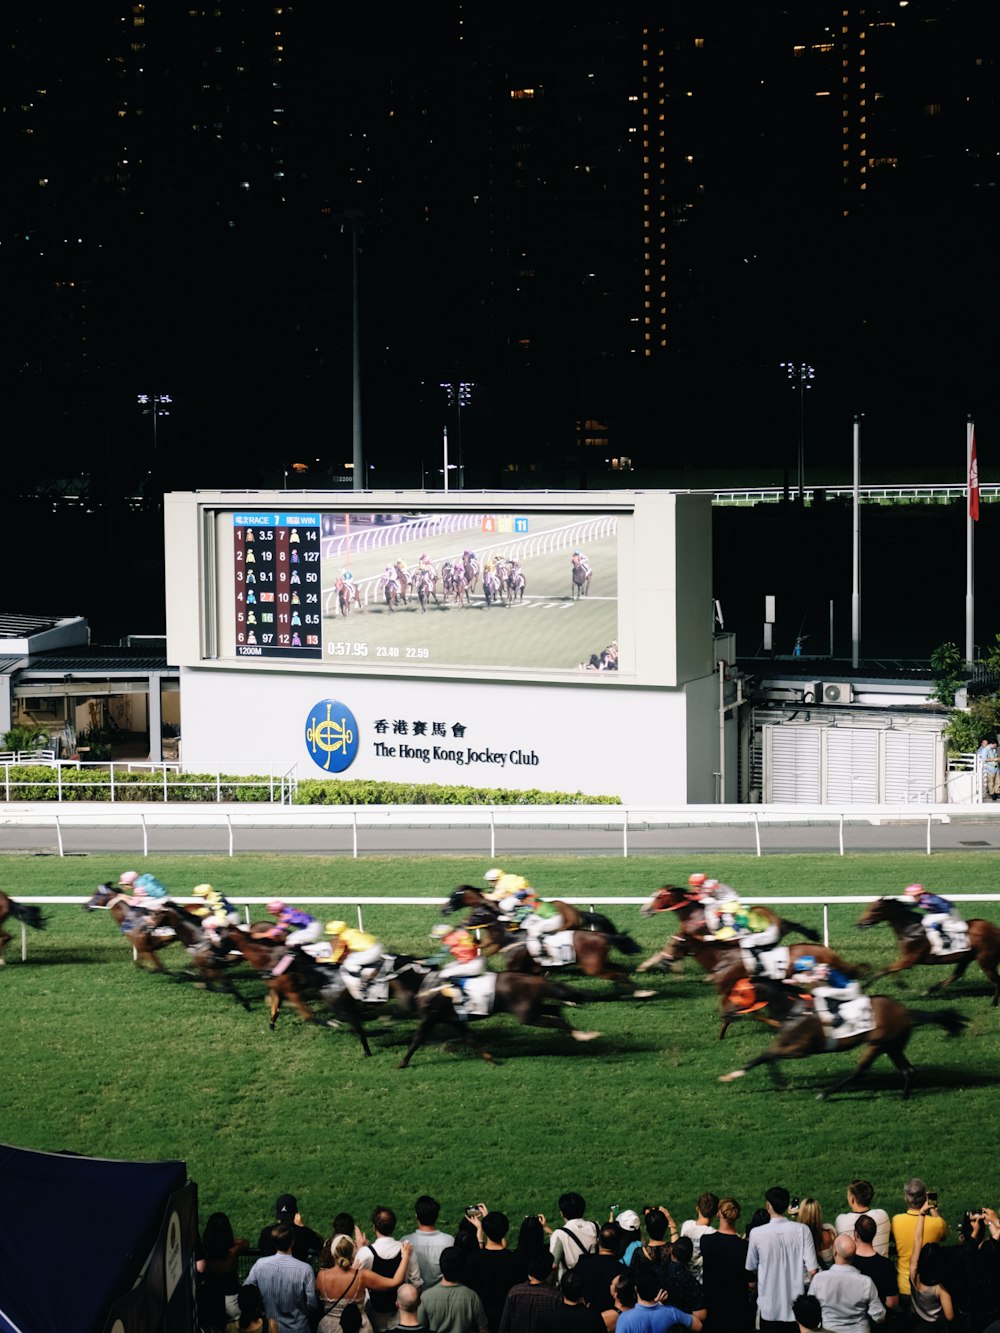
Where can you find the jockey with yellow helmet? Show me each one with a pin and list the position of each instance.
(359, 954)
(216, 904)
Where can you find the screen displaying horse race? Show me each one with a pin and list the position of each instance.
(507, 589)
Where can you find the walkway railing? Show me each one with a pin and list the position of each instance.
(280, 780)
(623, 821)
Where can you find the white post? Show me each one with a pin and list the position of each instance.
(826, 925)
(969, 598)
(756, 829)
(354, 822)
(446, 458)
(493, 834)
(856, 549)
(625, 835)
(229, 821)
(145, 836)
(59, 836)
(842, 833)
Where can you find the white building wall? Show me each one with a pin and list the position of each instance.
(601, 741)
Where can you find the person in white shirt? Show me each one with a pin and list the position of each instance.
(701, 1225)
(575, 1237)
(859, 1197)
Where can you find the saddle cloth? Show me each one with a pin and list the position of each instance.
(772, 963)
(477, 996)
(853, 1018)
(556, 950)
(952, 938)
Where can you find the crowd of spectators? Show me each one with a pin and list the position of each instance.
(783, 1269)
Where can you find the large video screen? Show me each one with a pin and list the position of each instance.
(532, 590)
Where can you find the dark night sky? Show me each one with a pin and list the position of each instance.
(174, 178)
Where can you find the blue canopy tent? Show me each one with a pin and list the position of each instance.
(77, 1233)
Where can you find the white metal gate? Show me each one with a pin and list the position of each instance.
(816, 765)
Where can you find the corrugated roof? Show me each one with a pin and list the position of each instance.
(9, 664)
(13, 626)
(90, 658)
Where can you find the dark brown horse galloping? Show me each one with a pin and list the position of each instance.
(801, 1034)
(25, 912)
(301, 981)
(914, 946)
(211, 961)
(592, 947)
(532, 1000)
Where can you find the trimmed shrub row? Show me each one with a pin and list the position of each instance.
(39, 783)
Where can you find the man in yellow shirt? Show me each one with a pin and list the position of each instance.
(905, 1224)
(359, 954)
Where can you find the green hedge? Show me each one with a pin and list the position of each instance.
(39, 783)
(323, 792)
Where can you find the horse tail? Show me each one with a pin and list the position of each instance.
(624, 944)
(810, 934)
(29, 914)
(951, 1020)
(598, 921)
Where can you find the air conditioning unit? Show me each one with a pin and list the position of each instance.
(837, 692)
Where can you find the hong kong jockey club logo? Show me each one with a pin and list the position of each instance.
(332, 735)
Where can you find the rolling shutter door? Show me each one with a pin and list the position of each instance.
(794, 775)
(910, 766)
(852, 766)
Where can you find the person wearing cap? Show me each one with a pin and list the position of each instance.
(830, 988)
(629, 1231)
(305, 1241)
(939, 921)
(293, 928)
(492, 878)
(457, 958)
(358, 954)
(217, 904)
(536, 917)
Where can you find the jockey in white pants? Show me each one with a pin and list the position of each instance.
(360, 955)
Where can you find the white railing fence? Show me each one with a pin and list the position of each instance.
(280, 781)
(624, 822)
(590, 902)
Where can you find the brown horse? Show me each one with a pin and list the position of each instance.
(723, 960)
(801, 1033)
(347, 595)
(694, 924)
(591, 947)
(914, 947)
(211, 961)
(582, 575)
(30, 915)
(301, 981)
(526, 998)
(137, 925)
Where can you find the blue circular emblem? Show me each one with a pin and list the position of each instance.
(331, 735)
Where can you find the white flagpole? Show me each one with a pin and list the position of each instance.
(969, 528)
(856, 584)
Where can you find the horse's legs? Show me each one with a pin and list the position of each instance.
(658, 962)
(870, 1054)
(902, 964)
(960, 967)
(770, 1057)
(544, 1019)
(419, 1037)
(349, 1014)
(5, 939)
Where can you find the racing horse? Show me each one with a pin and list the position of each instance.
(914, 946)
(691, 915)
(533, 1001)
(591, 947)
(801, 1033)
(515, 584)
(492, 587)
(456, 585)
(137, 925)
(25, 912)
(210, 960)
(425, 589)
(347, 595)
(471, 566)
(390, 591)
(403, 579)
(302, 980)
(582, 574)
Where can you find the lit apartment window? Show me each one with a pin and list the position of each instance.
(699, 43)
(522, 94)
(932, 109)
